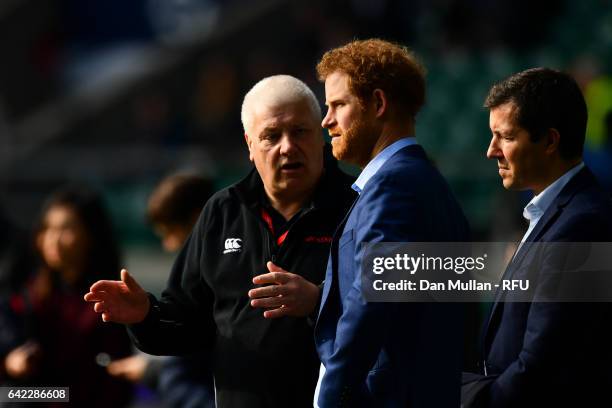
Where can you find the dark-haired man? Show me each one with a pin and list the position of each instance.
(545, 354)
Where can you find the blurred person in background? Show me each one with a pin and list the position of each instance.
(270, 231)
(173, 209)
(549, 351)
(63, 342)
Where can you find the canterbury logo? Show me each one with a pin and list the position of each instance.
(232, 245)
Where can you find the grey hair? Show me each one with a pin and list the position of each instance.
(277, 90)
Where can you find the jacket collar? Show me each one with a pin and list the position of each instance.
(583, 179)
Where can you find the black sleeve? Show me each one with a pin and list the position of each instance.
(181, 322)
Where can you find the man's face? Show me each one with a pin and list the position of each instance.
(521, 162)
(350, 125)
(286, 147)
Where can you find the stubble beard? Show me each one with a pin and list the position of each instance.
(353, 144)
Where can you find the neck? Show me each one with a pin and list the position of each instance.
(286, 208)
(556, 171)
(390, 134)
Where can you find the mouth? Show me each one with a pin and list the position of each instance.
(333, 133)
(291, 167)
(502, 170)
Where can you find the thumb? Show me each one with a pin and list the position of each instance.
(272, 267)
(129, 281)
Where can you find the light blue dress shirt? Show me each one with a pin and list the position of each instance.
(377, 162)
(539, 204)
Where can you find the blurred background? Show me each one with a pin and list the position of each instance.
(117, 94)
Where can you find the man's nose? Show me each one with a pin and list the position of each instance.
(287, 144)
(327, 120)
(493, 151)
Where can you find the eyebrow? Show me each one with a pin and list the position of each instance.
(267, 131)
(503, 132)
(333, 101)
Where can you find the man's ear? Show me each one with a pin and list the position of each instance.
(248, 141)
(552, 138)
(379, 100)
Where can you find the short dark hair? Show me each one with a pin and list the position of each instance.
(178, 198)
(545, 98)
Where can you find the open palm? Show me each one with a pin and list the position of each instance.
(121, 301)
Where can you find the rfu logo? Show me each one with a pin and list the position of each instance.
(233, 245)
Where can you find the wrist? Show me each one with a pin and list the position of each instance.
(152, 312)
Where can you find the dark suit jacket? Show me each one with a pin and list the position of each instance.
(553, 353)
(390, 354)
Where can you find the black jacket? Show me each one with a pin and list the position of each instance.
(257, 362)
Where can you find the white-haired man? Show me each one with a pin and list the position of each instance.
(280, 218)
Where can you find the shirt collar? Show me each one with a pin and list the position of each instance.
(540, 203)
(381, 158)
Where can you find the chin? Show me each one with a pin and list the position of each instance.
(514, 186)
(342, 153)
(337, 150)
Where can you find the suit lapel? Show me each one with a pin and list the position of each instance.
(415, 151)
(577, 183)
(333, 258)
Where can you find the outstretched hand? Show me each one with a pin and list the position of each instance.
(121, 301)
(287, 294)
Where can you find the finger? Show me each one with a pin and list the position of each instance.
(268, 303)
(95, 297)
(268, 291)
(113, 371)
(104, 285)
(105, 317)
(129, 280)
(99, 307)
(264, 278)
(272, 267)
(115, 368)
(272, 277)
(276, 313)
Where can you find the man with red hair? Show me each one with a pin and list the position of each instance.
(378, 353)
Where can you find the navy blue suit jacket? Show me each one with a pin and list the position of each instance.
(391, 354)
(553, 354)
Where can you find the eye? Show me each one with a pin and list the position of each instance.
(269, 136)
